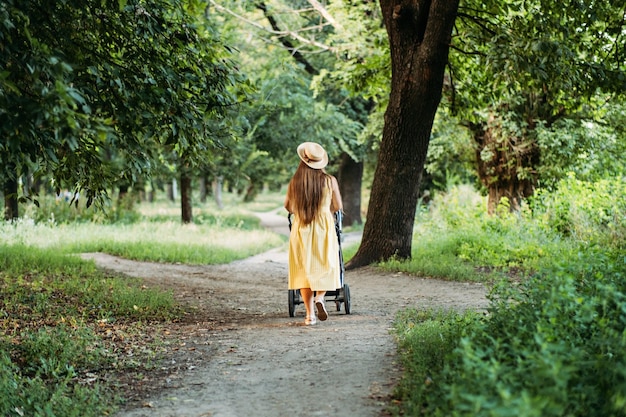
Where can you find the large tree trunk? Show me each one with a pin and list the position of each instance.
(350, 178)
(185, 197)
(419, 38)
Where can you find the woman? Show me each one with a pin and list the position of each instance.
(312, 197)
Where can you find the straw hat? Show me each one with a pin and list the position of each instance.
(313, 155)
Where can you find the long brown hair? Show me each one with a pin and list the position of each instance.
(305, 190)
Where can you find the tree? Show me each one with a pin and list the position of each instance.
(528, 73)
(86, 79)
(419, 35)
(331, 116)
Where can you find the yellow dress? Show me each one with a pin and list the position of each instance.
(314, 251)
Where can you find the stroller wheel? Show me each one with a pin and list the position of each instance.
(346, 298)
(292, 302)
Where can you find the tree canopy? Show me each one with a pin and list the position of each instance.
(84, 80)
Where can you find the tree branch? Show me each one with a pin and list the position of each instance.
(322, 11)
(286, 43)
(276, 30)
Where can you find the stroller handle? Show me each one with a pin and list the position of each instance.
(339, 225)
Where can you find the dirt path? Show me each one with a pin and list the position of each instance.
(242, 355)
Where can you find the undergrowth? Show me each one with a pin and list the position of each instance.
(58, 319)
(551, 341)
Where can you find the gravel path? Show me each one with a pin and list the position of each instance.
(242, 355)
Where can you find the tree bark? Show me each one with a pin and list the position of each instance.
(506, 166)
(419, 34)
(350, 178)
(203, 188)
(185, 197)
(251, 191)
(217, 191)
(169, 190)
(11, 210)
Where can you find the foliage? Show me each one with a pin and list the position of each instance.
(536, 54)
(589, 212)
(62, 210)
(551, 347)
(551, 343)
(35, 396)
(534, 81)
(455, 239)
(590, 148)
(89, 84)
(287, 106)
(450, 159)
(426, 340)
(554, 347)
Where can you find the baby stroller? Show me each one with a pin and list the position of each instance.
(340, 295)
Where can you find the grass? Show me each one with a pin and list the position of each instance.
(67, 328)
(57, 315)
(57, 310)
(159, 236)
(454, 239)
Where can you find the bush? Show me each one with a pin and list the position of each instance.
(553, 346)
(61, 210)
(589, 212)
(425, 340)
(552, 343)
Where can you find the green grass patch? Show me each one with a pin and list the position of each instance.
(147, 241)
(44, 285)
(425, 341)
(455, 239)
(60, 320)
(436, 257)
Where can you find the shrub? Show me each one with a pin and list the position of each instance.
(61, 210)
(589, 212)
(552, 347)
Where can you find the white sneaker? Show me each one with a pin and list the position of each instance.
(322, 314)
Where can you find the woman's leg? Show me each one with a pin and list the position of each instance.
(309, 304)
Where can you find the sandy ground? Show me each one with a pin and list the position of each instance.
(241, 354)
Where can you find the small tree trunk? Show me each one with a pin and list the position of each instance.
(251, 192)
(10, 199)
(169, 191)
(203, 188)
(185, 197)
(217, 187)
(350, 178)
(500, 160)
